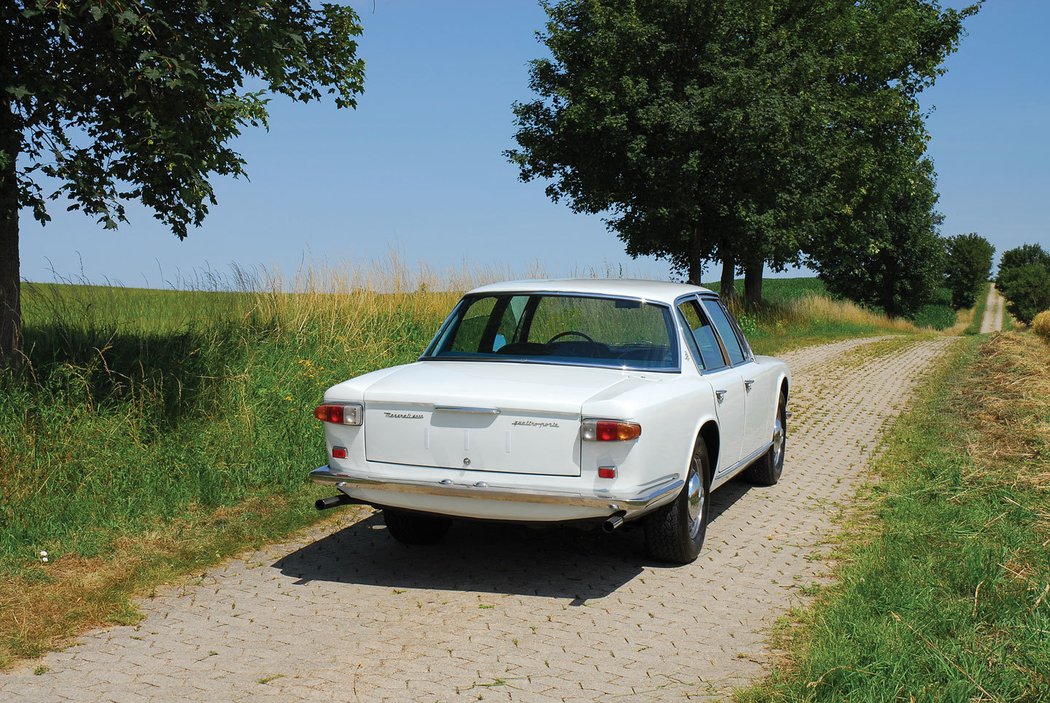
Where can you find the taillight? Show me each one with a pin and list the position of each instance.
(345, 414)
(611, 430)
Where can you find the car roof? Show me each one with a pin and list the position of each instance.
(658, 291)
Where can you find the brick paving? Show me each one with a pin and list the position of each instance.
(500, 613)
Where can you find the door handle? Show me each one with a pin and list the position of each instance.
(748, 382)
(720, 395)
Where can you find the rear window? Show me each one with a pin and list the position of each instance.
(549, 328)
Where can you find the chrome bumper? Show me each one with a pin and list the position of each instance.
(662, 492)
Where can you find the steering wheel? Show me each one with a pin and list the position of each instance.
(567, 333)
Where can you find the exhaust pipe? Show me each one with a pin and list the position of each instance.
(333, 502)
(613, 522)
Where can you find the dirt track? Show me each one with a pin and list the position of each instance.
(507, 613)
(993, 312)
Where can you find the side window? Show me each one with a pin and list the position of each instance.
(472, 327)
(725, 330)
(704, 341)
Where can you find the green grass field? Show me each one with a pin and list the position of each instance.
(155, 431)
(943, 578)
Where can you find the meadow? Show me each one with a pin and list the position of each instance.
(155, 431)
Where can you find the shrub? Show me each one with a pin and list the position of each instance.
(1027, 290)
(1041, 324)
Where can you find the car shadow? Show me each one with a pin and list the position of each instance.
(558, 561)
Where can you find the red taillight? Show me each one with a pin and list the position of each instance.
(606, 472)
(329, 413)
(611, 430)
(338, 452)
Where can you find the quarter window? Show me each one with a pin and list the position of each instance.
(725, 330)
(703, 336)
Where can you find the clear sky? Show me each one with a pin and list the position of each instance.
(418, 166)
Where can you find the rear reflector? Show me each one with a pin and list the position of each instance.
(345, 414)
(611, 430)
(606, 472)
(338, 452)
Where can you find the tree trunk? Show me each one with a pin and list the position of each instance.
(10, 296)
(753, 284)
(696, 264)
(728, 286)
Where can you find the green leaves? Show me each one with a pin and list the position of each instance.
(123, 100)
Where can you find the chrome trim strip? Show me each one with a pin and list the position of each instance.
(466, 409)
(750, 458)
(664, 491)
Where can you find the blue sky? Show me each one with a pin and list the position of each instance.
(418, 166)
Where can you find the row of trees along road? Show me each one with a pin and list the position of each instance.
(1024, 280)
(117, 100)
(750, 133)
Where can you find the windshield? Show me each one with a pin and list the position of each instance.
(559, 329)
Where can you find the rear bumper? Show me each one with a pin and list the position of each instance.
(481, 499)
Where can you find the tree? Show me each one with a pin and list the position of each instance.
(679, 120)
(718, 129)
(887, 252)
(118, 100)
(1024, 279)
(968, 263)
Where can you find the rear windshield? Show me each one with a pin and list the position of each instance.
(559, 329)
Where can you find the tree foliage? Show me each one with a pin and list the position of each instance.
(738, 131)
(967, 265)
(116, 100)
(1024, 279)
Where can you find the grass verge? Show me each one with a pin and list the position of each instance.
(943, 577)
(978, 310)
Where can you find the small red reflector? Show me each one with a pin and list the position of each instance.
(329, 413)
(338, 452)
(608, 431)
(606, 472)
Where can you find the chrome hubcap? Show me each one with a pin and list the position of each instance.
(778, 440)
(695, 502)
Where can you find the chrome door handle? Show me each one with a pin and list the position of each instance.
(720, 395)
(748, 382)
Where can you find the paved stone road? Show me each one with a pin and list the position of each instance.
(507, 613)
(993, 312)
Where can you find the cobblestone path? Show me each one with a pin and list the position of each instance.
(343, 613)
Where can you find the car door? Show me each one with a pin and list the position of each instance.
(752, 430)
(730, 401)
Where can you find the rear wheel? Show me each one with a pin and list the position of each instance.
(413, 528)
(675, 532)
(766, 471)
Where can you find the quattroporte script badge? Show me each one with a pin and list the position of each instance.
(533, 423)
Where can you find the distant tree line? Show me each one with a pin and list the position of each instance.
(1024, 280)
(749, 133)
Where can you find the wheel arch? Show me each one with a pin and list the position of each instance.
(709, 433)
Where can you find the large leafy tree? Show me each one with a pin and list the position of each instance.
(108, 101)
(968, 263)
(723, 129)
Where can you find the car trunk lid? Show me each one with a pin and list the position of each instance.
(479, 416)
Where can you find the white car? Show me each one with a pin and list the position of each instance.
(601, 401)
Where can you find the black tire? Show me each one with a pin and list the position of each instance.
(675, 532)
(414, 528)
(766, 471)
